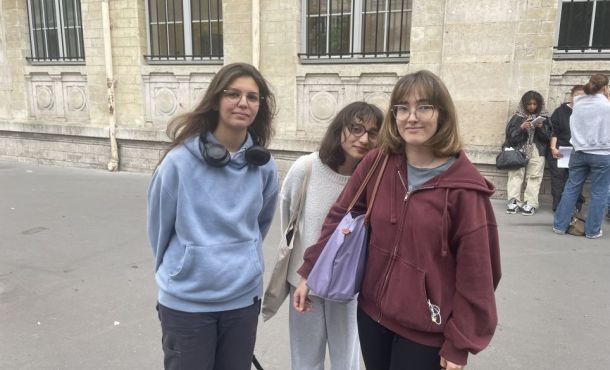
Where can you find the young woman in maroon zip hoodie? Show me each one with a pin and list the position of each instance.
(433, 264)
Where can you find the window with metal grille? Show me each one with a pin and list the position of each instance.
(185, 30)
(356, 29)
(584, 27)
(56, 31)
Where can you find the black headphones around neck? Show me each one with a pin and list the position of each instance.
(217, 155)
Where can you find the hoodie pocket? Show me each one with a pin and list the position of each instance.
(406, 301)
(216, 272)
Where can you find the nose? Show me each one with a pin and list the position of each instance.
(243, 101)
(412, 115)
(364, 139)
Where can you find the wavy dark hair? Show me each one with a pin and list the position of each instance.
(596, 84)
(331, 152)
(532, 95)
(204, 118)
(446, 141)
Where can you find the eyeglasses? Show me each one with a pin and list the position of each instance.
(402, 112)
(234, 96)
(358, 130)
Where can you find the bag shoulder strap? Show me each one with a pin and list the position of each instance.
(294, 218)
(365, 182)
(369, 208)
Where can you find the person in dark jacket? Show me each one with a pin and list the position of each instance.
(534, 139)
(427, 297)
(560, 121)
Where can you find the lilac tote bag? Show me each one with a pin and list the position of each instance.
(337, 274)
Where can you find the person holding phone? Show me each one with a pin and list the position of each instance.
(534, 139)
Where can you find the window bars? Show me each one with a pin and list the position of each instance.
(185, 30)
(584, 26)
(56, 31)
(357, 28)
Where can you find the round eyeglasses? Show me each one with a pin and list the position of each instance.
(234, 96)
(402, 112)
(358, 130)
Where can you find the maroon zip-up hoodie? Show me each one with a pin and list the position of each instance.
(432, 250)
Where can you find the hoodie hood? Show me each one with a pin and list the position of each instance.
(238, 159)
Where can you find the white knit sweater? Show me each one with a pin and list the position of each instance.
(323, 189)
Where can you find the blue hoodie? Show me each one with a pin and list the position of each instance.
(206, 226)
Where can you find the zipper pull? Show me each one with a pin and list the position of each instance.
(407, 196)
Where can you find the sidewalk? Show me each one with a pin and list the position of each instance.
(77, 288)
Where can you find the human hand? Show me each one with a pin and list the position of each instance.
(299, 300)
(448, 365)
(539, 125)
(526, 124)
(556, 153)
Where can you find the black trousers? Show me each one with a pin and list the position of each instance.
(559, 177)
(382, 349)
(210, 340)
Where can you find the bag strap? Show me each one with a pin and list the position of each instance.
(301, 201)
(369, 208)
(364, 183)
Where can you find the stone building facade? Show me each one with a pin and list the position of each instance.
(117, 94)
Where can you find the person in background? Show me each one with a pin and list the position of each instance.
(590, 127)
(210, 204)
(535, 140)
(351, 134)
(427, 297)
(560, 120)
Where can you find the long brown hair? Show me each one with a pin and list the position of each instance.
(446, 141)
(204, 118)
(331, 152)
(596, 84)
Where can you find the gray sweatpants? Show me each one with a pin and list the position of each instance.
(328, 322)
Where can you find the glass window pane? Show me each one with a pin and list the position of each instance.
(50, 15)
(52, 44)
(339, 34)
(37, 14)
(575, 24)
(373, 36)
(601, 32)
(176, 39)
(400, 4)
(205, 9)
(374, 5)
(217, 39)
(195, 9)
(69, 13)
(40, 47)
(317, 6)
(399, 32)
(316, 35)
(216, 8)
(337, 5)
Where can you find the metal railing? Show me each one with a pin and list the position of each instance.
(56, 31)
(185, 30)
(357, 29)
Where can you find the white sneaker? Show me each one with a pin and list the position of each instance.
(596, 236)
(528, 210)
(512, 206)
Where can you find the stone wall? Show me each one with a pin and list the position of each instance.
(488, 53)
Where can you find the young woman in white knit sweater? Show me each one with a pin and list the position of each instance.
(352, 133)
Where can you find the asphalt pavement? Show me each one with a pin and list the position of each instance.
(77, 287)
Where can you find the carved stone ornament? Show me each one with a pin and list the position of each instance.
(45, 98)
(165, 101)
(77, 100)
(323, 106)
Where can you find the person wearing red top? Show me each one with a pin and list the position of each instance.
(428, 293)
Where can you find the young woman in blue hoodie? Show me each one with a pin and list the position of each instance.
(210, 204)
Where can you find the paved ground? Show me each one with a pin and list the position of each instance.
(77, 288)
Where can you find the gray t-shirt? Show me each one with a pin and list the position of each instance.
(419, 176)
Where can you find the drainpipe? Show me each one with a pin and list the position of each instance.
(256, 34)
(113, 164)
